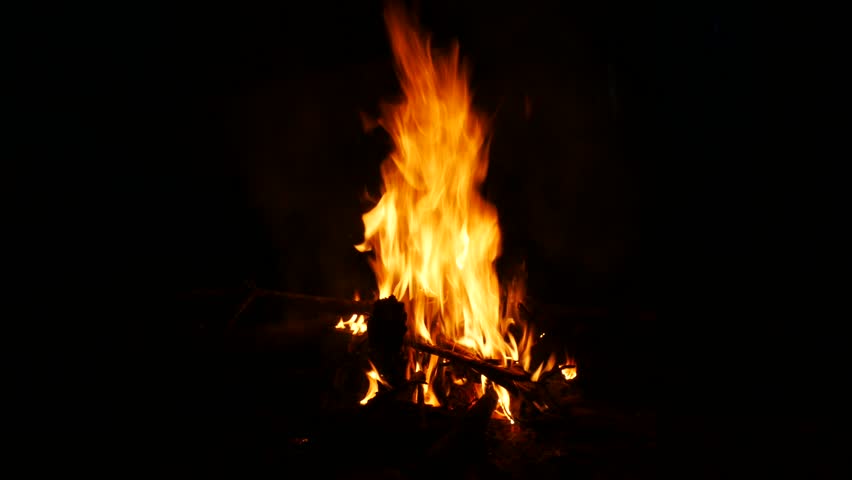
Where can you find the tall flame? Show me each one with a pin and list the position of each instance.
(434, 236)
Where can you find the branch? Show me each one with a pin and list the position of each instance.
(327, 304)
(496, 373)
(333, 305)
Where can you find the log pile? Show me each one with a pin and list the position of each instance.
(392, 430)
(387, 347)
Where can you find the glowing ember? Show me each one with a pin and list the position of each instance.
(434, 237)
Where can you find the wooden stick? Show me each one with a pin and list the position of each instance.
(496, 373)
(365, 306)
(324, 304)
(516, 381)
(333, 305)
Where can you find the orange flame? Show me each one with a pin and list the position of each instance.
(375, 379)
(356, 324)
(434, 236)
(569, 373)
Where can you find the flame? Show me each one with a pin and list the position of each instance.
(357, 324)
(434, 237)
(569, 373)
(503, 399)
(375, 379)
(429, 397)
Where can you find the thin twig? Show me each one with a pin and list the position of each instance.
(243, 306)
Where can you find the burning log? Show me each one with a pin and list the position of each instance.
(498, 374)
(516, 381)
(385, 335)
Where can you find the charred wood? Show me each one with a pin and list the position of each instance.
(386, 330)
(326, 304)
(468, 431)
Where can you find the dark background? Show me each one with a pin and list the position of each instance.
(240, 154)
(191, 146)
(234, 146)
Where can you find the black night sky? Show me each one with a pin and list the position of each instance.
(209, 145)
(236, 152)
